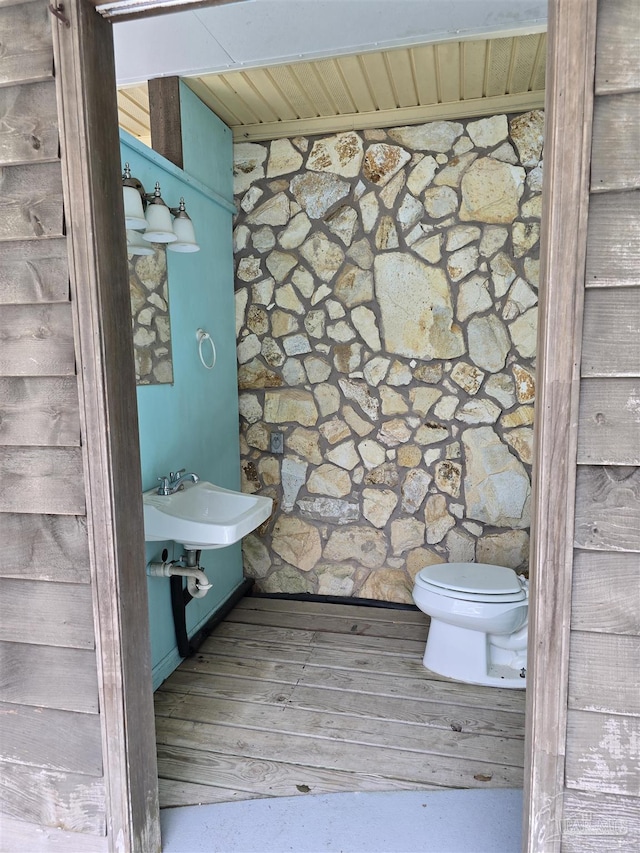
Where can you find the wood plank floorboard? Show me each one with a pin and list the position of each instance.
(288, 697)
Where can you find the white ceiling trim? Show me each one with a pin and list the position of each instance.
(398, 117)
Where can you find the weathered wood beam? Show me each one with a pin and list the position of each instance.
(88, 114)
(568, 120)
(165, 118)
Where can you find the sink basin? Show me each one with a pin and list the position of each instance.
(202, 515)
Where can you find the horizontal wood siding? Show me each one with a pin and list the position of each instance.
(31, 202)
(56, 740)
(34, 271)
(596, 822)
(617, 47)
(44, 547)
(72, 800)
(603, 752)
(616, 152)
(25, 35)
(611, 334)
(601, 674)
(48, 676)
(602, 771)
(42, 480)
(608, 509)
(39, 411)
(49, 839)
(36, 340)
(30, 123)
(603, 584)
(613, 243)
(52, 790)
(47, 614)
(609, 422)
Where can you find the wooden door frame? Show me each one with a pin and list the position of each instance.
(99, 285)
(567, 161)
(117, 529)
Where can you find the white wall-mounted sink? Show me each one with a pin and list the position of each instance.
(202, 515)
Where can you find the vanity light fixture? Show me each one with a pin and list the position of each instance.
(183, 229)
(136, 245)
(132, 193)
(158, 216)
(148, 212)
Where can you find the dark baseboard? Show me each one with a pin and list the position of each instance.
(334, 599)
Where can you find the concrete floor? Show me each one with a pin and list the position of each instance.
(453, 821)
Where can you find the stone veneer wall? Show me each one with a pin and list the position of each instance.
(386, 291)
(150, 319)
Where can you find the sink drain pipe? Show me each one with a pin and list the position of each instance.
(197, 582)
(187, 566)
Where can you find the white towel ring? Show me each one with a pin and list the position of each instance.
(201, 337)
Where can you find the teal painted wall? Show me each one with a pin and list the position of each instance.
(207, 145)
(193, 423)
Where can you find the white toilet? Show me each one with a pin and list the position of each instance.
(478, 631)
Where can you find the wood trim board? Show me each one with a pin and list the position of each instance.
(85, 78)
(568, 117)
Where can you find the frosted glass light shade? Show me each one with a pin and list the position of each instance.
(186, 237)
(159, 226)
(136, 245)
(133, 212)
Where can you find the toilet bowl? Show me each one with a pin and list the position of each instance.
(478, 630)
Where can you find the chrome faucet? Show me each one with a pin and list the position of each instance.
(175, 481)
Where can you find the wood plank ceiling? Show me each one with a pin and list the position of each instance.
(409, 85)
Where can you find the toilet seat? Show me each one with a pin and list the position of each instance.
(472, 582)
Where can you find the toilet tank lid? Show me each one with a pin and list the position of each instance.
(472, 577)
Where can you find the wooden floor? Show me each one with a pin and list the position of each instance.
(290, 697)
